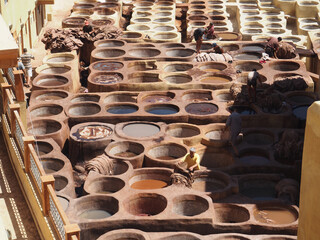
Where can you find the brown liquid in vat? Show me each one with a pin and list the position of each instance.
(149, 184)
(274, 215)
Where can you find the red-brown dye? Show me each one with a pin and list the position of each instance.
(149, 184)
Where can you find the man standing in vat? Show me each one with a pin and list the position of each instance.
(234, 124)
(189, 163)
(253, 78)
(198, 35)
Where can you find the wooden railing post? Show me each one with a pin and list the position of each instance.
(5, 100)
(13, 107)
(26, 141)
(71, 230)
(45, 181)
(18, 85)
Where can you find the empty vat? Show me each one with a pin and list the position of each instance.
(145, 204)
(104, 185)
(95, 207)
(126, 150)
(144, 52)
(84, 109)
(45, 110)
(180, 52)
(178, 67)
(189, 205)
(177, 78)
(230, 213)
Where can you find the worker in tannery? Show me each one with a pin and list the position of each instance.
(234, 123)
(253, 78)
(217, 48)
(272, 46)
(189, 163)
(198, 36)
(87, 28)
(210, 31)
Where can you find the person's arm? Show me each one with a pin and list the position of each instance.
(184, 158)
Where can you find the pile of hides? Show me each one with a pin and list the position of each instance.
(181, 180)
(101, 164)
(212, 57)
(285, 51)
(291, 83)
(66, 40)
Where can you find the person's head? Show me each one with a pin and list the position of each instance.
(192, 151)
(86, 22)
(25, 50)
(19, 59)
(254, 70)
(279, 39)
(214, 45)
(211, 24)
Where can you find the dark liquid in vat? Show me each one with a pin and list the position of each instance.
(124, 109)
(301, 99)
(244, 110)
(201, 108)
(301, 112)
(163, 110)
(259, 190)
(253, 48)
(207, 186)
(254, 160)
(110, 66)
(247, 56)
(149, 184)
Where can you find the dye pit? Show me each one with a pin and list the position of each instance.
(148, 102)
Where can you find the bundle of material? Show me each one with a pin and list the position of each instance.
(104, 32)
(181, 180)
(101, 164)
(292, 83)
(65, 40)
(289, 148)
(62, 40)
(285, 51)
(212, 57)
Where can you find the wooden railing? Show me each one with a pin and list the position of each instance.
(23, 155)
